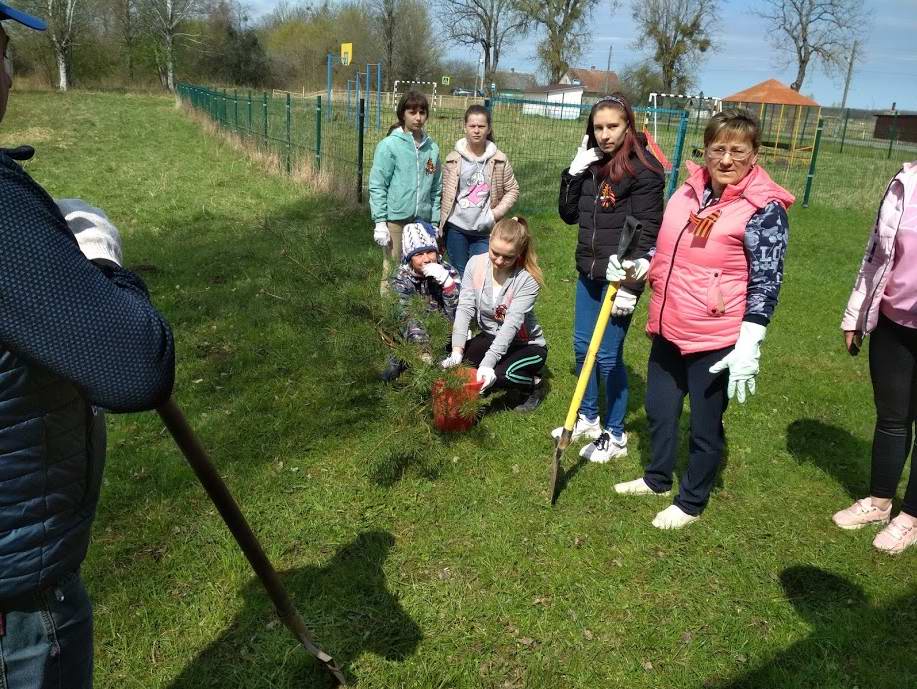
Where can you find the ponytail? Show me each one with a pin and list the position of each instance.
(515, 230)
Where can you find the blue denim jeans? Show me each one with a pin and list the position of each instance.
(609, 361)
(46, 639)
(461, 247)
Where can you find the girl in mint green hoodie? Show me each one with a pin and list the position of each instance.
(405, 183)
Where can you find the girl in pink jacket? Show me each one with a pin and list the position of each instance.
(884, 303)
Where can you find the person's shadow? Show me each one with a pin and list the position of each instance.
(832, 449)
(852, 644)
(346, 605)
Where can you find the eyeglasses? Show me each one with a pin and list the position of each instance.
(8, 61)
(738, 155)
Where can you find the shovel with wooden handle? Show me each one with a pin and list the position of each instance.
(630, 237)
(207, 474)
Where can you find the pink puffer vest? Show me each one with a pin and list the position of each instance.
(699, 275)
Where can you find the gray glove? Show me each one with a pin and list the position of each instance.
(97, 237)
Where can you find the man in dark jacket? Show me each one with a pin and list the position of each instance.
(77, 334)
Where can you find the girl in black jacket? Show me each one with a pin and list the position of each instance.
(611, 177)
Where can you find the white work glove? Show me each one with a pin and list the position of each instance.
(438, 272)
(615, 271)
(452, 360)
(624, 304)
(486, 377)
(742, 361)
(381, 235)
(584, 158)
(634, 271)
(485, 221)
(95, 234)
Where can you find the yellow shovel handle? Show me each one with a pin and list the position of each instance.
(597, 334)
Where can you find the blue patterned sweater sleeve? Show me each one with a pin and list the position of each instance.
(766, 237)
(93, 326)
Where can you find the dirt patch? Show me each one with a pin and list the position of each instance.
(31, 136)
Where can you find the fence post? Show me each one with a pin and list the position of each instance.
(318, 132)
(235, 98)
(264, 116)
(379, 96)
(894, 133)
(289, 139)
(844, 130)
(330, 81)
(250, 132)
(676, 154)
(362, 117)
(811, 175)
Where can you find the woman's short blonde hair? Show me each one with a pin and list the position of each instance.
(733, 124)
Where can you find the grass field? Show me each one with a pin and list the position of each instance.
(443, 565)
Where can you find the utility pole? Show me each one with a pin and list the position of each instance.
(853, 55)
(608, 70)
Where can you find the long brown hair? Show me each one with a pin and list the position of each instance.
(634, 142)
(515, 230)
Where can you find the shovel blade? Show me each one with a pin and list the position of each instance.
(557, 470)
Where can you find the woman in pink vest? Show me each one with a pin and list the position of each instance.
(715, 276)
(884, 303)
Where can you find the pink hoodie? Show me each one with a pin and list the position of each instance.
(699, 275)
(862, 312)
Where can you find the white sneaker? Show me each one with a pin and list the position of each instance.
(606, 446)
(673, 518)
(583, 428)
(636, 487)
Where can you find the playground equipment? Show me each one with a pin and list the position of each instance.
(361, 86)
(785, 119)
(423, 86)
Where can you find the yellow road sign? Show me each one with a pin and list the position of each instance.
(346, 53)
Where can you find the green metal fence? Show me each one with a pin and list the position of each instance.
(309, 137)
(854, 165)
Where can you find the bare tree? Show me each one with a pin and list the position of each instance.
(565, 23)
(125, 12)
(165, 18)
(63, 18)
(813, 30)
(679, 34)
(484, 23)
(387, 15)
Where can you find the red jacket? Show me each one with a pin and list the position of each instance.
(699, 275)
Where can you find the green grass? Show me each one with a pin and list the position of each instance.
(426, 561)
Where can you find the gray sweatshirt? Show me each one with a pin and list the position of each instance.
(471, 212)
(509, 317)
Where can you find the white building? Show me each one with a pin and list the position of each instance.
(557, 101)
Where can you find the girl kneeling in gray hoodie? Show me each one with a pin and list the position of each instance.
(499, 289)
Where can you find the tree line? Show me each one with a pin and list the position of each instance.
(148, 42)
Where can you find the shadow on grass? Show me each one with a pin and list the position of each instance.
(347, 605)
(852, 643)
(833, 450)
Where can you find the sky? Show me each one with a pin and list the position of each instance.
(886, 73)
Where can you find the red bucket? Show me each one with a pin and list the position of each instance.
(448, 402)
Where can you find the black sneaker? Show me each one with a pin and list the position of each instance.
(532, 400)
(393, 369)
